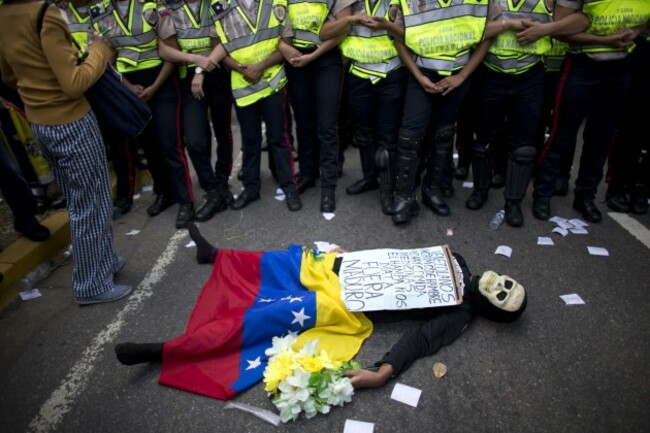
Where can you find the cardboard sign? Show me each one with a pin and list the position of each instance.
(392, 279)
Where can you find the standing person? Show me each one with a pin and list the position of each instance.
(435, 91)
(512, 89)
(629, 161)
(134, 28)
(123, 153)
(204, 89)
(315, 74)
(51, 85)
(375, 94)
(596, 81)
(250, 32)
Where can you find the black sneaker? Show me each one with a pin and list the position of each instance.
(161, 203)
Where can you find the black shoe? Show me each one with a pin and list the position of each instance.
(476, 200)
(405, 209)
(33, 231)
(514, 215)
(214, 203)
(304, 183)
(638, 205)
(328, 201)
(294, 203)
(434, 200)
(161, 203)
(497, 181)
(542, 209)
(589, 210)
(244, 198)
(185, 216)
(618, 203)
(121, 206)
(561, 186)
(362, 186)
(461, 173)
(58, 202)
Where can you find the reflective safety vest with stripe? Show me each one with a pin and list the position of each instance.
(307, 18)
(79, 26)
(253, 45)
(554, 57)
(136, 41)
(442, 38)
(506, 54)
(606, 17)
(192, 32)
(373, 53)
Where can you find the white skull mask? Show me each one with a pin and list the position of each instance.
(502, 291)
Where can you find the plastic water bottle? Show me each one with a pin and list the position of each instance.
(497, 220)
(37, 275)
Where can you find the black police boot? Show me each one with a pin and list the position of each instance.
(406, 206)
(518, 172)
(439, 148)
(185, 216)
(385, 160)
(214, 203)
(369, 180)
(481, 173)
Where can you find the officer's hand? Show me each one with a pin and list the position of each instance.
(532, 32)
(448, 84)
(95, 38)
(147, 93)
(427, 84)
(301, 61)
(197, 86)
(253, 72)
(204, 63)
(375, 23)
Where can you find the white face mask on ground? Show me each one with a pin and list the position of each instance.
(502, 291)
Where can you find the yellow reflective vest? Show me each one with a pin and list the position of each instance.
(442, 38)
(606, 17)
(373, 53)
(508, 56)
(247, 43)
(79, 26)
(135, 39)
(307, 18)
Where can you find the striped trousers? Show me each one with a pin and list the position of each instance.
(77, 156)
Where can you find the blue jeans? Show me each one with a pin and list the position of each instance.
(595, 90)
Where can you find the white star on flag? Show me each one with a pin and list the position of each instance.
(265, 300)
(300, 317)
(296, 299)
(253, 364)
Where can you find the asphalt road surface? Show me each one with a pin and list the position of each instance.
(560, 368)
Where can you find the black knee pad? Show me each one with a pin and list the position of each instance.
(523, 155)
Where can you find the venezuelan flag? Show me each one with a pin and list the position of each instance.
(249, 298)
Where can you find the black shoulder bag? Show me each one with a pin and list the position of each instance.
(114, 104)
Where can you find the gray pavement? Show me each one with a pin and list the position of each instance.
(558, 369)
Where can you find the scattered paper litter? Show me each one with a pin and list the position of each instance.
(132, 232)
(561, 231)
(353, 426)
(504, 250)
(598, 251)
(190, 244)
(577, 222)
(572, 299)
(30, 294)
(328, 215)
(136, 196)
(543, 240)
(439, 369)
(147, 188)
(564, 224)
(325, 246)
(468, 184)
(406, 394)
(450, 232)
(266, 415)
(556, 219)
(579, 231)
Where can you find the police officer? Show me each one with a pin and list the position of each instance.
(134, 28)
(250, 31)
(597, 73)
(375, 91)
(315, 73)
(434, 92)
(203, 89)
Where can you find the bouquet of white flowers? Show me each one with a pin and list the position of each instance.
(305, 381)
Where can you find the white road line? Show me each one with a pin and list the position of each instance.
(633, 226)
(62, 399)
